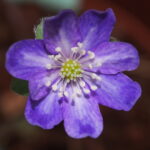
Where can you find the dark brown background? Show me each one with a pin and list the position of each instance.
(122, 130)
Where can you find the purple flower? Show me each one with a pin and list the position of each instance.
(73, 69)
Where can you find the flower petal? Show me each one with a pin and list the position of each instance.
(40, 86)
(61, 31)
(96, 27)
(23, 57)
(118, 91)
(45, 113)
(114, 57)
(82, 118)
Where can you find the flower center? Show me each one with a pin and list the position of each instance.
(71, 69)
(75, 67)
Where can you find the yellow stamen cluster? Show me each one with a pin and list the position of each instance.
(71, 69)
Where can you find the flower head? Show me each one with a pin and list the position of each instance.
(73, 69)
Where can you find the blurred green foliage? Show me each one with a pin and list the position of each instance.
(53, 4)
(20, 86)
(113, 39)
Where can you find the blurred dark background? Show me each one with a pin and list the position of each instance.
(122, 130)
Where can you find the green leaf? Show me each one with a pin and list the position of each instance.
(20, 86)
(39, 30)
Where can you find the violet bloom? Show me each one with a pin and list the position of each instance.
(73, 69)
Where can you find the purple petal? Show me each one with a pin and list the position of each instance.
(45, 113)
(118, 91)
(114, 57)
(82, 118)
(96, 27)
(26, 58)
(61, 31)
(38, 88)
